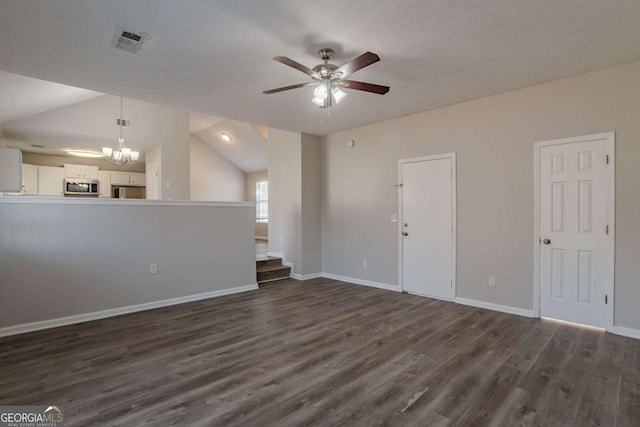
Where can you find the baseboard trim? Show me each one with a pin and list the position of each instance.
(495, 307)
(305, 276)
(276, 254)
(262, 238)
(361, 282)
(96, 315)
(431, 296)
(626, 332)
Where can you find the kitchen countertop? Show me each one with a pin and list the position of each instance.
(106, 201)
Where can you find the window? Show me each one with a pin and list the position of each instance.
(262, 201)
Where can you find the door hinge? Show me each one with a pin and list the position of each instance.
(607, 158)
(606, 229)
(606, 299)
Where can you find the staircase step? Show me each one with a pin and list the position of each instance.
(268, 261)
(273, 272)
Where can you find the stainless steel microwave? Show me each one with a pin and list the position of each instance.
(81, 187)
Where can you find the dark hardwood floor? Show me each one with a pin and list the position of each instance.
(322, 352)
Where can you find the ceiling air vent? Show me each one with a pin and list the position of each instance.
(125, 123)
(128, 40)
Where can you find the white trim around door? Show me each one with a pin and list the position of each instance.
(609, 138)
(451, 156)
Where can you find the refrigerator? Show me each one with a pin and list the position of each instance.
(121, 192)
(10, 170)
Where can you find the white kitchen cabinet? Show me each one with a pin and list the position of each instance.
(128, 178)
(50, 181)
(137, 178)
(29, 179)
(80, 171)
(105, 183)
(119, 178)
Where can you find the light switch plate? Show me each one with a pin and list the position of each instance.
(394, 217)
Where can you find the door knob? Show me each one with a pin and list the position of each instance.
(404, 233)
(546, 241)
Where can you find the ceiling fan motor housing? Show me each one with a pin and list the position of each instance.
(325, 70)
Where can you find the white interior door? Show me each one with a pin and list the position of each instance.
(574, 203)
(153, 181)
(427, 248)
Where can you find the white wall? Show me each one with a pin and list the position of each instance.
(212, 176)
(295, 199)
(51, 267)
(311, 205)
(174, 165)
(262, 228)
(285, 195)
(493, 138)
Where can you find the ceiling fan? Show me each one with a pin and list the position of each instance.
(330, 78)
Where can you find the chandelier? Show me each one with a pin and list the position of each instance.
(120, 155)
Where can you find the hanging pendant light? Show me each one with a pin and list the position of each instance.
(120, 155)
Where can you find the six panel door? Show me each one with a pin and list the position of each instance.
(573, 231)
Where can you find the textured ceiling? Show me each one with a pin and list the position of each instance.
(22, 96)
(198, 121)
(214, 57)
(247, 148)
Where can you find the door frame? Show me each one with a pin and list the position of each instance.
(454, 227)
(610, 139)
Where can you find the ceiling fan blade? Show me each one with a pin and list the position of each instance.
(367, 87)
(360, 62)
(282, 89)
(298, 66)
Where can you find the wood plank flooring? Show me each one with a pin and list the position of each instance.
(326, 353)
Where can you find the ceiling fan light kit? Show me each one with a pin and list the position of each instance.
(329, 78)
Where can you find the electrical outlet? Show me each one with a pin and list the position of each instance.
(153, 268)
(364, 263)
(492, 282)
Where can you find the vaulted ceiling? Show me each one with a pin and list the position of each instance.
(215, 57)
(45, 117)
(22, 96)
